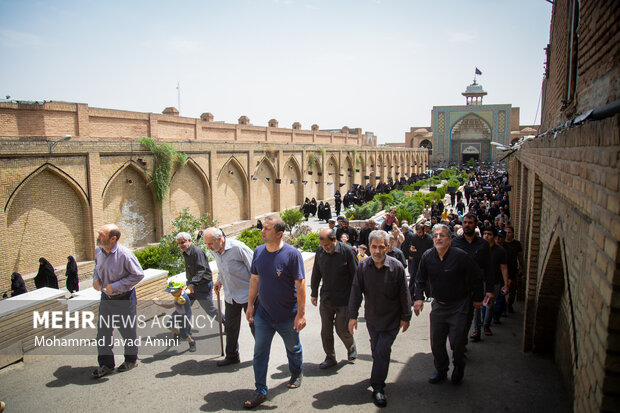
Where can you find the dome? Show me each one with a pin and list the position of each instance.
(421, 130)
(474, 88)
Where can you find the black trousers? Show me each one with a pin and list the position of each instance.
(449, 321)
(381, 349)
(232, 323)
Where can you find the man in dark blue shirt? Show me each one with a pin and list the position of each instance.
(454, 281)
(277, 279)
(381, 279)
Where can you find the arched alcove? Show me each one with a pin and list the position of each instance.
(232, 187)
(264, 188)
(46, 199)
(189, 189)
(128, 202)
(291, 193)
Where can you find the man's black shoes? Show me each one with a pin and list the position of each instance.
(378, 397)
(102, 371)
(457, 374)
(352, 354)
(227, 362)
(327, 364)
(437, 377)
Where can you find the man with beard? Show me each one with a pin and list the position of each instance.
(117, 271)
(479, 250)
(335, 264)
(454, 282)
(381, 280)
(413, 248)
(346, 229)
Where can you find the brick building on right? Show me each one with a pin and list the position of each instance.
(565, 205)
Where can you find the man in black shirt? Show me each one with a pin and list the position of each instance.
(500, 278)
(198, 274)
(346, 229)
(454, 282)
(381, 279)
(413, 248)
(518, 250)
(479, 250)
(335, 264)
(370, 226)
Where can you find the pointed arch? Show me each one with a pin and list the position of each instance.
(54, 169)
(550, 291)
(379, 169)
(189, 188)
(47, 198)
(264, 188)
(349, 173)
(129, 202)
(332, 170)
(232, 190)
(315, 180)
(483, 139)
(361, 166)
(373, 168)
(291, 194)
(130, 163)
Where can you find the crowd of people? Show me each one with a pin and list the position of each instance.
(461, 256)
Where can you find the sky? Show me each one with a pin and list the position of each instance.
(379, 65)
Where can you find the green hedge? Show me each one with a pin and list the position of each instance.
(365, 211)
(251, 237)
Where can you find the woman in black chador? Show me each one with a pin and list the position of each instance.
(313, 207)
(18, 286)
(73, 281)
(46, 277)
(319, 211)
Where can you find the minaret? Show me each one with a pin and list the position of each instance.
(474, 93)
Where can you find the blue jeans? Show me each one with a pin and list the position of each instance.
(264, 332)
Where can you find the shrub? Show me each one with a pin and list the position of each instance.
(251, 237)
(167, 255)
(307, 242)
(365, 211)
(403, 214)
(386, 200)
(292, 217)
(398, 195)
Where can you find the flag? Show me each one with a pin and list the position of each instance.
(478, 72)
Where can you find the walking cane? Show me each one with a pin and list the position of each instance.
(219, 310)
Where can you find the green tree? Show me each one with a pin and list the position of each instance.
(292, 217)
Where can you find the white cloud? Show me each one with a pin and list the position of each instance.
(12, 38)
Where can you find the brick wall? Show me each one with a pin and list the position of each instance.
(55, 119)
(570, 205)
(53, 204)
(598, 60)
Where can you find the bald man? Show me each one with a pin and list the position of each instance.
(234, 260)
(116, 273)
